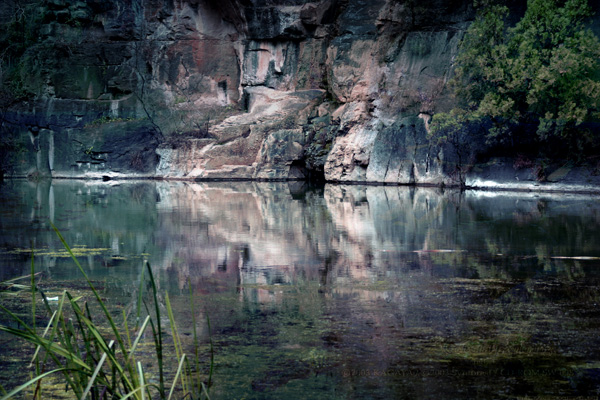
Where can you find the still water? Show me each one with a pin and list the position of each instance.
(340, 291)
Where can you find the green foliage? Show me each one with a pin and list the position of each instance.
(543, 71)
(450, 127)
(99, 359)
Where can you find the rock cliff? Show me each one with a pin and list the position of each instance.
(342, 90)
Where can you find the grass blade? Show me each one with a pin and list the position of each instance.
(158, 331)
(118, 337)
(137, 339)
(133, 393)
(196, 343)
(139, 300)
(37, 350)
(32, 289)
(127, 333)
(179, 369)
(31, 382)
(212, 353)
(95, 374)
(142, 381)
(205, 391)
(86, 358)
(99, 340)
(51, 347)
(176, 339)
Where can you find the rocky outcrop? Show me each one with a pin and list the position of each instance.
(343, 90)
(264, 143)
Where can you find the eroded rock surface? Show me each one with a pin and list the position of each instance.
(338, 89)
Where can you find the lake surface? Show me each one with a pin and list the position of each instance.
(339, 291)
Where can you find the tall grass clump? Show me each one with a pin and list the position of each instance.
(96, 355)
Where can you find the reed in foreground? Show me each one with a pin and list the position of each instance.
(97, 357)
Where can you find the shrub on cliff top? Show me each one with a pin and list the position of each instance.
(543, 72)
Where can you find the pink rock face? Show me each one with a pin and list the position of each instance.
(344, 90)
(380, 62)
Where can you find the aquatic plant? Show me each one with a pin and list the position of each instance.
(96, 356)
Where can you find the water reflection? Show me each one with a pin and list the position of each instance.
(343, 291)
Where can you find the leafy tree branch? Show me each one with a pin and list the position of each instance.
(544, 71)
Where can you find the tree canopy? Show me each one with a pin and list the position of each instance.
(543, 71)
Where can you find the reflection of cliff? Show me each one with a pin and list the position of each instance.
(380, 277)
(382, 247)
(107, 225)
(266, 234)
(273, 233)
(383, 252)
(242, 227)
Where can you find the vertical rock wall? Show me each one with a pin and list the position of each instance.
(250, 89)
